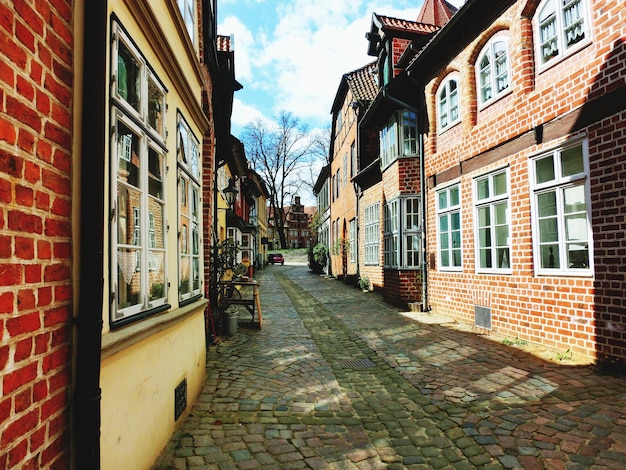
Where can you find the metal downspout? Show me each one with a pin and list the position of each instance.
(418, 116)
(86, 414)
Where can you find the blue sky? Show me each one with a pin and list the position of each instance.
(290, 54)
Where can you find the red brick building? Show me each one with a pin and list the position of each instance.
(526, 127)
(520, 108)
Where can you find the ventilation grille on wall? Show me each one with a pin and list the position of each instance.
(482, 316)
(180, 399)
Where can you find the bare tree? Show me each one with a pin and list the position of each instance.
(279, 156)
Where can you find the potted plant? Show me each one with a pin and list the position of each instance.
(364, 283)
(318, 258)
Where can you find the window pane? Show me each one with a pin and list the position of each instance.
(443, 200)
(156, 105)
(128, 277)
(157, 274)
(550, 256)
(128, 152)
(500, 213)
(544, 169)
(455, 221)
(548, 230)
(485, 258)
(484, 217)
(484, 237)
(128, 77)
(155, 174)
(454, 196)
(503, 258)
(572, 162)
(482, 188)
(546, 203)
(443, 223)
(502, 235)
(499, 184)
(574, 199)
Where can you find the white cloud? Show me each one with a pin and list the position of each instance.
(244, 114)
(243, 45)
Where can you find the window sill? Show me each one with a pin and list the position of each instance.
(118, 340)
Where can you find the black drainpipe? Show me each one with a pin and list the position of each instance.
(88, 330)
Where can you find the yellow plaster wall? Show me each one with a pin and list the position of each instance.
(138, 393)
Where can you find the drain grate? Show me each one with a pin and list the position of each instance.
(357, 364)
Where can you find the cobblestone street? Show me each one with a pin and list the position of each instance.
(337, 379)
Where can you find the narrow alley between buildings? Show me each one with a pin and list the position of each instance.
(338, 379)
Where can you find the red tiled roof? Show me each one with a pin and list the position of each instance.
(436, 12)
(223, 43)
(389, 23)
(362, 82)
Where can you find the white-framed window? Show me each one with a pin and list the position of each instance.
(449, 228)
(493, 222)
(353, 244)
(402, 236)
(189, 253)
(371, 227)
(391, 234)
(493, 70)
(448, 103)
(398, 138)
(138, 194)
(188, 11)
(139, 197)
(412, 233)
(562, 236)
(136, 89)
(562, 26)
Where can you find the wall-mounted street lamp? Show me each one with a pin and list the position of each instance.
(230, 193)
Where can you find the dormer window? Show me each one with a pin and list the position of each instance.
(448, 103)
(562, 25)
(493, 71)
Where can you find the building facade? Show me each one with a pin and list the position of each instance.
(526, 123)
(511, 187)
(106, 128)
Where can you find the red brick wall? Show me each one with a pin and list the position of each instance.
(586, 315)
(35, 224)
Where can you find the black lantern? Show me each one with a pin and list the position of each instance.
(230, 193)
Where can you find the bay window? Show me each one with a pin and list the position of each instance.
(402, 235)
(398, 138)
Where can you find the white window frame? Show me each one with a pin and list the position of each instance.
(189, 212)
(138, 265)
(149, 86)
(371, 228)
(490, 198)
(448, 211)
(497, 75)
(560, 184)
(403, 233)
(553, 11)
(398, 138)
(411, 232)
(145, 248)
(449, 108)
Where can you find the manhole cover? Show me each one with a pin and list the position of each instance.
(357, 364)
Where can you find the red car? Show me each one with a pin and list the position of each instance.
(275, 258)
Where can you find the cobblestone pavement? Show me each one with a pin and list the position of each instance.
(337, 379)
